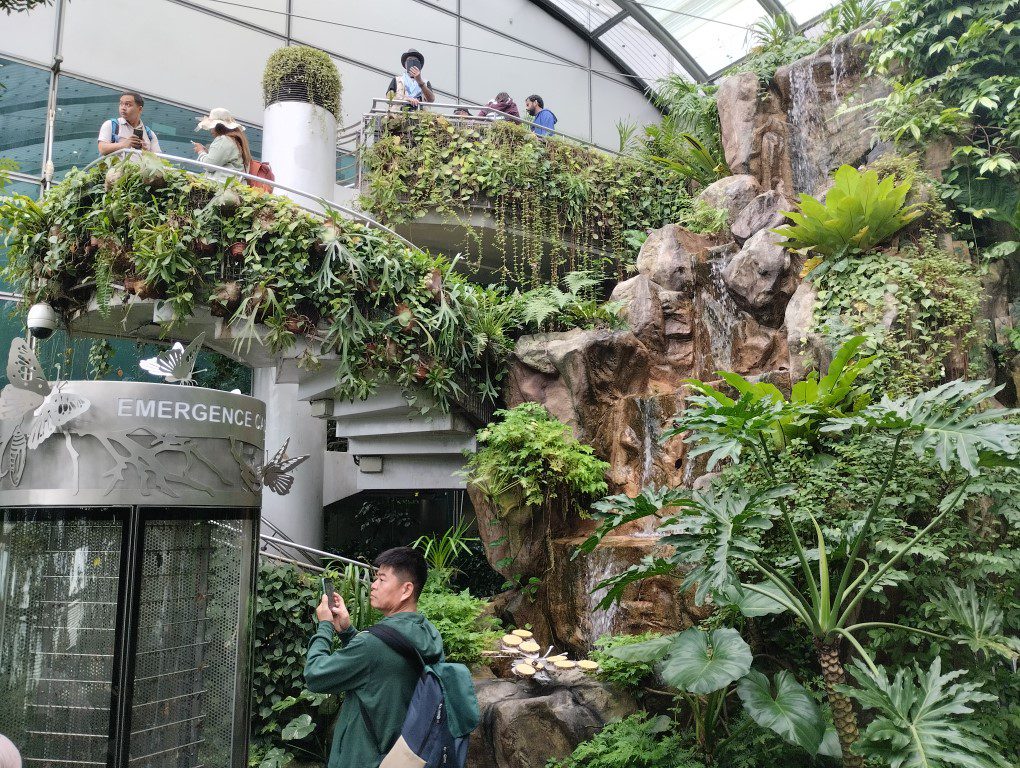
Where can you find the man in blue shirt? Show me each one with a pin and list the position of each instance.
(542, 119)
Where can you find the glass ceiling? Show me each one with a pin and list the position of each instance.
(696, 39)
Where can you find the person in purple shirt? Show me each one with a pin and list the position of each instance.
(542, 120)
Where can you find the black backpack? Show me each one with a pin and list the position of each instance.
(425, 738)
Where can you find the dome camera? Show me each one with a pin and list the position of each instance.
(42, 320)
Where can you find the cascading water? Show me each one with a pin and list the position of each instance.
(719, 315)
(804, 128)
(600, 566)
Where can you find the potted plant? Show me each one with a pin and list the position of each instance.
(302, 73)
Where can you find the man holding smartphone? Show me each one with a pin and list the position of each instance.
(130, 132)
(409, 86)
(377, 680)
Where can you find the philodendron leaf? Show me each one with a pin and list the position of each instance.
(648, 651)
(298, 728)
(789, 710)
(702, 662)
(919, 719)
(749, 602)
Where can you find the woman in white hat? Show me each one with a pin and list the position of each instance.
(230, 147)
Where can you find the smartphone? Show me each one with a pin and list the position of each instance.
(139, 132)
(327, 590)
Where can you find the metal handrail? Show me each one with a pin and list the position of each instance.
(503, 116)
(318, 552)
(357, 215)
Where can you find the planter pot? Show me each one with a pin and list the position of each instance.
(226, 299)
(299, 141)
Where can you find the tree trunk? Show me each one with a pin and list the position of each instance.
(843, 714)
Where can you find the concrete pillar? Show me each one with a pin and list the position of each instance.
(299, 141)
(299, 513)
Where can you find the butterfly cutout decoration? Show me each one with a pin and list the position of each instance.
(39, 407)
(177, 363)
(274, 474)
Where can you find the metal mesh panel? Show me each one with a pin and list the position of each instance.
(183, 707)
(58, 617)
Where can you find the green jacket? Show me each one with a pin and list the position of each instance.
(364, 665)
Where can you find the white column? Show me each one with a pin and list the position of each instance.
(299, 513)
(299, 142)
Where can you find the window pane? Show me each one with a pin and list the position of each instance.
(23, 93)
(714, 32)
(806, 10)
(590, 14)
(58, 618)
(82, 107)
(641, 52)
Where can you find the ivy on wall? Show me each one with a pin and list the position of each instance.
(558, 206)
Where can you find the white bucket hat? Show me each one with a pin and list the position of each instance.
(218, 116)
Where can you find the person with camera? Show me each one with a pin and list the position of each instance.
(127, 131)
(409, 86)
(229, 147)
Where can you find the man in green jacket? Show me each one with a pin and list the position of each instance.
(364, 667)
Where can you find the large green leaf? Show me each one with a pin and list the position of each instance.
(919, 719)
(720, 528)
(298, 728)
(702, 662)
(751, 602)
(648, 651)
(615, 511)
(977, 622)
(949, 421)
(789, 709)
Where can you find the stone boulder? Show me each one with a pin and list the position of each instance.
(808, 349)
(737, 102)
(761, 275)
(731, 193)
(764, 212)
(524, 724)
(669, 256)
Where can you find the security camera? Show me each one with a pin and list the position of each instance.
(42, 320)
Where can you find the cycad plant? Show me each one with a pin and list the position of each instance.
(716, 536)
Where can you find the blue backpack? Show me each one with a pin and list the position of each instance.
(437, 726)
(115, 131)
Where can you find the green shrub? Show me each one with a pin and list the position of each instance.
(462, 620)
(530, 459)
(629, 675)
(859, 212)
(309, 66)
(638, 741)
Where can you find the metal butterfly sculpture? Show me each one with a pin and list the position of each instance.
(274, 474)
(177, 363)
(39, 407)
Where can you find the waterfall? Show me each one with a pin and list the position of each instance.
(649, 411)
(803, 122)
(600, 566)
(719, 315)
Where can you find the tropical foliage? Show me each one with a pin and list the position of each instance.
(385, 310)
(304, 66)
(558, 206)
(858, 213)
(719, 536)
(953, 66)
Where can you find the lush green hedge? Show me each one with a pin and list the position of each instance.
(386, 310)
(546, 189)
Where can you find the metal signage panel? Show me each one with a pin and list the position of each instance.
(110, 443)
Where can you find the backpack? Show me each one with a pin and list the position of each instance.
(442, 713)
(263, 171)
(115, 131)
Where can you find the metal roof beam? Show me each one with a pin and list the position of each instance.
(656, 30)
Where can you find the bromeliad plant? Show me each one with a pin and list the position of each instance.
(275, 271)
(717, 540)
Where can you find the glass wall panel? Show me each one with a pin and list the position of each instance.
(187, 704)
(714, 32)
(806, 10)
(23, 94)
(58, 618)
(82, 107)
(641, 52)
(590, 14)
